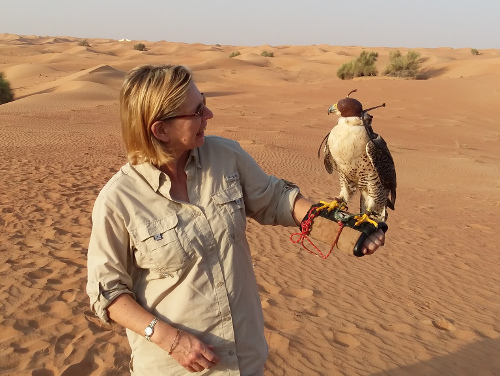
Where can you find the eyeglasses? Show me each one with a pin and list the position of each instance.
(199, 111)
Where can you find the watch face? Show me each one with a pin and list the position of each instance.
(148, 331)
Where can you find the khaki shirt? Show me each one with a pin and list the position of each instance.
(188, 263)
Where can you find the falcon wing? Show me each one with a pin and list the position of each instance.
(327, 156)
(382, 161)
(328, 160)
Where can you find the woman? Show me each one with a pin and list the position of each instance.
(168, 257)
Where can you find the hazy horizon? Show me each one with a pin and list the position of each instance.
(427, 24)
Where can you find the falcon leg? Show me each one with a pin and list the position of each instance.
(338, 203)
(365, 218)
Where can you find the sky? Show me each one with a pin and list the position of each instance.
(376, 23)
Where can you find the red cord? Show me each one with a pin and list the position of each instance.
(306, 229)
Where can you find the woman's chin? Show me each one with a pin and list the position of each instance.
(200, 138)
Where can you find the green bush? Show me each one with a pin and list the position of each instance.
(364, 65)
(407, 66)
(84, 43)
(235, 53)
(6, 93)
(140, 47)
(474, 51)
(266, 54)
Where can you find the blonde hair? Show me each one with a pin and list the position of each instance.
(148, 94)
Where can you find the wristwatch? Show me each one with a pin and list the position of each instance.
(148, 332)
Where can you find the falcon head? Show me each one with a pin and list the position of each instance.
(347, 107)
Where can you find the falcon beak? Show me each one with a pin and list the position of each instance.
(332, 108)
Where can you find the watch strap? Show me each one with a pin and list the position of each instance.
(149, 333)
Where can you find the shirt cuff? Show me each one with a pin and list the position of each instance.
(100, 300)
(287, 202)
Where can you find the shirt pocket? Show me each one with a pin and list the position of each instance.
(231, 197)
(159, 243)
(232, 206)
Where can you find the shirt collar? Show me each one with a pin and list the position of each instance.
(155, 177)
(150, 173)
(195, 157)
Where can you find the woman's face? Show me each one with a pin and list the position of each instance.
(186, 133)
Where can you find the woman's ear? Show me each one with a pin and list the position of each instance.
(159, 130)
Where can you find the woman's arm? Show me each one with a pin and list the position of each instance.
(300, 208)
(371, 244)
(186, 348)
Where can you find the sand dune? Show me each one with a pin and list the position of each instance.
(425, 304)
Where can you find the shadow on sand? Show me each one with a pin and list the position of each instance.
(477, 359)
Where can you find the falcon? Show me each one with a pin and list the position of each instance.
(363, 161)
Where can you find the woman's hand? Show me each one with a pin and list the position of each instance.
(191, 353)
(186, 348)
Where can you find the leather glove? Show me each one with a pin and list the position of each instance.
(338, 228)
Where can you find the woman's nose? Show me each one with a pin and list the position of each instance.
(208, 114)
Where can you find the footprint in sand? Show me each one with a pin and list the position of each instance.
(398, 328)
(297, 293)
(345, 339)
(464, 334)
(443, 324)
(264, 304)
(26, 326)
(57, 309)
(42, 372)
(7, 331)
(315, 311)
(67, 296)
(267, 288)
(20, 350)
(5, 267)
(40, 273)
(95, 324)
(276, 341)
(63, 343)
(53, 281)
(84, 368)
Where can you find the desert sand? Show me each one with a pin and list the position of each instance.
(427, 303)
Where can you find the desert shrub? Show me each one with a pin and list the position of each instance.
(363, 65)
(84, 43)
(235, 53)
(140, 47)
(217, 45)
(266, 54)
(406, 66)
(6, 93)
(474, 51)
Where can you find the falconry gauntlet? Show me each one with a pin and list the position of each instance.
(339, 229)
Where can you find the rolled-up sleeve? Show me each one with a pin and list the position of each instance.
(109, 258)
(268, 199)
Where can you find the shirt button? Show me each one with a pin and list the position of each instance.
(227, 318)
(231, 353)
(220, 284)
(190, 178)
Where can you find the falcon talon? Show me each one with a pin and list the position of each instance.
(364, 219)
(329, 205)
